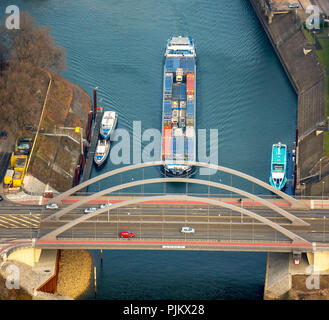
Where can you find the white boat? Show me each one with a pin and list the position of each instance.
(102, 151)
(108, 124)
(278, 176)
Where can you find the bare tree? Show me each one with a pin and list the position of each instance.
(4, 55)
(28, 50)
(16, 96)
(34, 44)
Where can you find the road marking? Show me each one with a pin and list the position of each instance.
(173, 247)
(6, 222)
(15, 221)
(4, 226)
(28, 221)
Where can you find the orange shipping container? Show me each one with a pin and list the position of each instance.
(167, 131)
(190, 83)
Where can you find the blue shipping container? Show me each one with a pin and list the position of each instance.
(189, 148)
(183, 63)
(168, 83)
(180, 145)
(190, 108)
(176, 63)
(190, 64)
(167, 107)
(173, 146)
(169, 64)
(175, 92)
(182, 94)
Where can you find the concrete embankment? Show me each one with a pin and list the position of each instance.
(57, 148)
(307, 77)
(287, 281)
(36, 271)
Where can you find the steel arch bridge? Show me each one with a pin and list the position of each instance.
(294, 203)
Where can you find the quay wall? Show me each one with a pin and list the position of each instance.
(307, 78)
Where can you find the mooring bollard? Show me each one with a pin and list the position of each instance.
(101, 256)
(95, 280)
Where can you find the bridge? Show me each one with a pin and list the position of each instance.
(235, 221)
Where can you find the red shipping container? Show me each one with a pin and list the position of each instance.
(190, 83)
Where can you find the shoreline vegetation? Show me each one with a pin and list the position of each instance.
(30, 63)
(26, 55)
(36, 101)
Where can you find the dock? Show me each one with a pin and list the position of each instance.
(290, 187)
(92, 147)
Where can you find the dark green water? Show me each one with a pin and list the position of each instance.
(242, 91)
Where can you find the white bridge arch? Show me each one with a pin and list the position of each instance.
(296, 239)
(294, 202)
(295, 220)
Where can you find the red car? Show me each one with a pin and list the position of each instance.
(126, 234)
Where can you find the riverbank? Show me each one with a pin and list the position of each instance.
(306, 74)
(57, 151)
(286, 281)
(74, 275)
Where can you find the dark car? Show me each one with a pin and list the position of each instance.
(3, 134)
(1, 198)
(26, 139)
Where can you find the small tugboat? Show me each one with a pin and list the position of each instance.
(278, 175)
(109, 122)
(102, 151)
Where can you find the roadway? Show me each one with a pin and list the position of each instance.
(4, 159)
(163, 222)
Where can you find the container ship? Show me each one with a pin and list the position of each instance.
(278, 175)
(179, 106)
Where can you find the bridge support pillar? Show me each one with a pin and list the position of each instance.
(29, 256)
(319, 259)
(277, 278)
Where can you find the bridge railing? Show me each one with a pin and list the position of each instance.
(138, 194)
(212, 195)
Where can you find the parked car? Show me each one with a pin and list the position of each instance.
(3, 134)
(187, 230)
(52, 206)
(105, 205)
(293, 5)
(25, 139)
(1, 198)
(23, 146)
(126, 234)
(89, 210)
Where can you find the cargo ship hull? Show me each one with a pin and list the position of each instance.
(178, 147)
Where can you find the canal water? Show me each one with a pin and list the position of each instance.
(242, 91)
